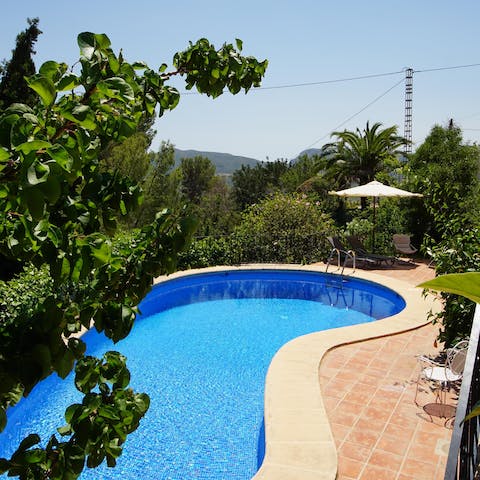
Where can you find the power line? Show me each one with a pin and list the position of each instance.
(351, 79)
(320, 82)
(357, 113)
(323, 82)
(447, 68)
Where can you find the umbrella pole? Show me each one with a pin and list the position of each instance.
(373, 230)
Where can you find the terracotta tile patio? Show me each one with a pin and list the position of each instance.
(369, 390)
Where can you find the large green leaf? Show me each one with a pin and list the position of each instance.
(52, 189)
(116, 87)
(35, 202)
(68, 82)
(4, 154)
(28, 442)
(475, 412)
(465, 284)
(86, 42)
(31, 146)
(83, 115)
(61, 156)
(44, 87)
(53, 70)
(37, 173)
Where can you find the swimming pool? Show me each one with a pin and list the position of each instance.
(206, 343)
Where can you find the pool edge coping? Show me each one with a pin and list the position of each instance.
(298, 440)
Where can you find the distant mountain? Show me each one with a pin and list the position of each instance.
(225, 163)
(309, 152)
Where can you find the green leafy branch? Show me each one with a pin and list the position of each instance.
(59, 210)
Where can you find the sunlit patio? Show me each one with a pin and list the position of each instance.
(369, 389)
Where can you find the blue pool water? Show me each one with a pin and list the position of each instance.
(201, 350)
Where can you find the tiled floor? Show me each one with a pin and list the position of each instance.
(369, 389)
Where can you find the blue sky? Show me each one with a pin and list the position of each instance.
(305, 41)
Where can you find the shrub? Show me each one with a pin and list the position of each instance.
(283, 228)
(207, 252)
(458, 254)
(21, 296)
(389, 219)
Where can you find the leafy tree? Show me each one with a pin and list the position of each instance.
(130, 158)
(251, 184)
(58, 209)
(304, 169)
(13, 87)
(285, 228)
(216, 211)
(161, 185)
(197, 176)
(445, 170)
(248, 186)
(359, 156)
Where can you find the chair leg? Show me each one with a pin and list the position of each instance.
(416, 390)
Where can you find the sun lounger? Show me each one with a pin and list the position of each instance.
(358, 247)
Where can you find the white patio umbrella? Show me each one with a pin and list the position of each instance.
(374, 189)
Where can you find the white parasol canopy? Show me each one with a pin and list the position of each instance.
(374, 189)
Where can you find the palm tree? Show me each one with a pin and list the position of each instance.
(360, 155)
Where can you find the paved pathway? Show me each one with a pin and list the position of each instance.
(368, 390)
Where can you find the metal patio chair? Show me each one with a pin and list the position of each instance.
(403, 245)
(442, 377)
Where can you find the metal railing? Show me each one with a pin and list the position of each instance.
(463, 459)
(335, 252)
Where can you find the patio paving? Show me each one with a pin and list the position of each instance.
(369, 387)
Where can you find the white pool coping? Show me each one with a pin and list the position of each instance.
(299, 441)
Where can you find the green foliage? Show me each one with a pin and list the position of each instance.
(362, 228)
(252, 184)
(13, 87)
(465, 284)
(455, 255)
(130, 159)
(283, 228)
(305, 168)
(389, 219)
(59, 210)
(445, 171)
(21, 296)
(208, 252)
(216, 211)
(97, 428)
(160, 185)
(211, 70)
(359, 156)
(197, 176)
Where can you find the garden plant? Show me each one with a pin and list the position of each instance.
(59, 210)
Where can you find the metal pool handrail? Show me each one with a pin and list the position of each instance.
(348, 254)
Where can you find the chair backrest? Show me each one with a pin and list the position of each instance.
(336, 243)
(456, 361)
(401, 240)
(356, 243)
